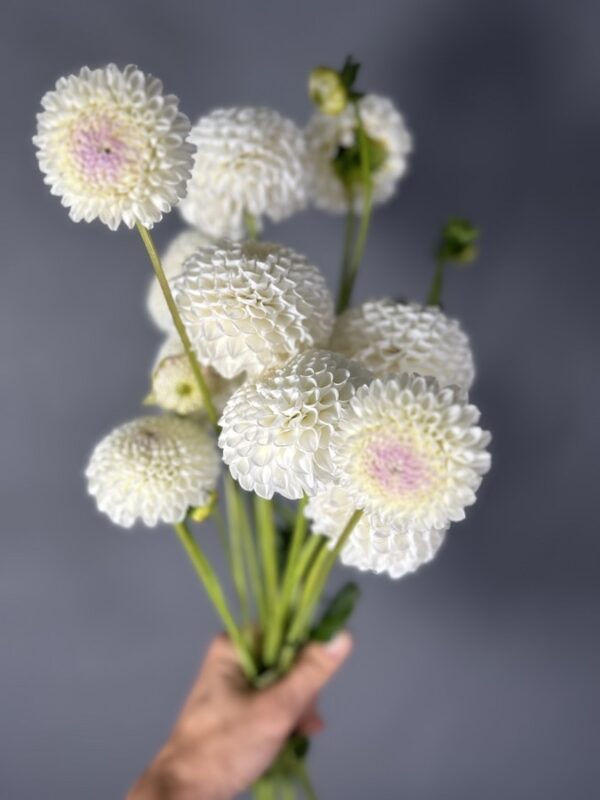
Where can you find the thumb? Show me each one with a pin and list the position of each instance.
(316, 665)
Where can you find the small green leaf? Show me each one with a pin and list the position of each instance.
(336, 614)
(349, 72)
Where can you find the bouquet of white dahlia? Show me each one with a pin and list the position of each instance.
(269, 391)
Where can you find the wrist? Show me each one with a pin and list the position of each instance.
(171, 777)
(157, 782)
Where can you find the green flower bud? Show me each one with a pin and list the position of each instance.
(327, 90)
(458, 242)
(200, 513)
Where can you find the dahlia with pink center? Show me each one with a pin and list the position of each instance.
(113, 147)
(410, 452)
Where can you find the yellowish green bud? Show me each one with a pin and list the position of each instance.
(200, 513)
(327, 90)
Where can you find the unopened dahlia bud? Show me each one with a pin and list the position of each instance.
(201, 513)
(458, 242)
(174, 385)
(327, 90)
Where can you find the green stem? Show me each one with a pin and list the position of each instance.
(222, 531)
(251, 226)
(297, 765)
(179, 326)
(234, 515)
(213, 588)
(349, 275)
(313, 546)
(267, 539)
(263, 789)
(285, 512)
(249, 547)
(313, 587)
(289, 583)
(434, 298)
(349, 236)
(286, 788)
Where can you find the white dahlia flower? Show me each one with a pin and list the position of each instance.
(153, 469)
(327, 136)
(248, 161)
(180, 248)
(174, 386)
(112, 146)
(410, 452)
(371, 547)
(249, 306)
(276, 433)
(390, 337)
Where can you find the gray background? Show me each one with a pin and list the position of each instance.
(475, 678)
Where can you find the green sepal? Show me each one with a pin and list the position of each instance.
(336, 614)
(349, 73)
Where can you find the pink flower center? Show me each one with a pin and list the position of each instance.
(396, 467)
(99, 151)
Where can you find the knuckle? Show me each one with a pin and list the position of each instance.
(219, 647)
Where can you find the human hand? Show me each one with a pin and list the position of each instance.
(228, 734)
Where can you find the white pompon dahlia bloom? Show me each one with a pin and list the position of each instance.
(249, 306)
(174, 386)
(153, 469)
(276, 433)
(372, 547)
(248, 160)
(390, 337)
(180, 248)
(113, 147)
(327, 135)
(410, 452)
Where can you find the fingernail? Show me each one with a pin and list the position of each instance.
(339, 646)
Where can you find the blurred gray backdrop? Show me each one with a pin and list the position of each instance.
(478, 676)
